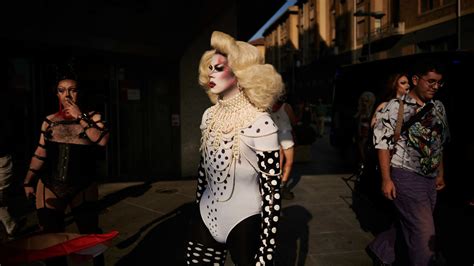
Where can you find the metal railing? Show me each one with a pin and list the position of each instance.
(386, 31)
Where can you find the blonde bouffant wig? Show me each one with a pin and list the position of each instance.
(260, 82)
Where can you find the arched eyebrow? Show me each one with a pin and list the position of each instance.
(221, 53)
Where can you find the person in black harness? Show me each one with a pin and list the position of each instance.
(64, 164)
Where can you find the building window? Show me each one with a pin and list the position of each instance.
(360, 29)
(447, 2)
(378, 26)
(311, 14)
(428, 5)
(301, 22)
(284, 33)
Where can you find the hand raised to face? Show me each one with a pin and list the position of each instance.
(71, 108)
(67, 94)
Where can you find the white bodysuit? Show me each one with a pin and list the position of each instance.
(232, 192)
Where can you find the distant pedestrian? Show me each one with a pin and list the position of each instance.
(319, 115)
(283, 116)
(397, 86)
(363, 117)
(305, 134)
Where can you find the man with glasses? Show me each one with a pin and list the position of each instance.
(412, 167)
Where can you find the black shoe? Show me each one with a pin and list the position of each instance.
(375, 259)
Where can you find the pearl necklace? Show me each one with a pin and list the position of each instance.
(228, 117)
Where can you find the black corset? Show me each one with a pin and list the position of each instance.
(69, 168)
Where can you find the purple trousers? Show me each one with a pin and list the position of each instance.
(415, 203)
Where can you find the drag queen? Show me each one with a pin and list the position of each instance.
(239, 175)
(64, 164)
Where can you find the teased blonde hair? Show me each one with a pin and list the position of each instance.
(260, 82)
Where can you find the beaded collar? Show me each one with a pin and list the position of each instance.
(227, 117)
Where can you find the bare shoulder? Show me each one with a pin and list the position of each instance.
(51, 116)
(48, 120)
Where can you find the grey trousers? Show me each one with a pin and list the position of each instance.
(415, 203)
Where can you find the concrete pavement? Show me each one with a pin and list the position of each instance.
(318, 227)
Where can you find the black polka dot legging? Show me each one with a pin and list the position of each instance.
(252, 241)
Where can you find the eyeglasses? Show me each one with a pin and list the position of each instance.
(433, 82)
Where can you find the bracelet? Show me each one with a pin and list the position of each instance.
(87, 119)
(84, 117)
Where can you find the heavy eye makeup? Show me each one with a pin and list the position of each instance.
(217, 68)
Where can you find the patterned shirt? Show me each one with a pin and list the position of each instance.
(420, 147)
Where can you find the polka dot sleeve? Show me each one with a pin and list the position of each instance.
(271, 202)
(202, 182)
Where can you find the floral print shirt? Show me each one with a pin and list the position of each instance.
(420, 147)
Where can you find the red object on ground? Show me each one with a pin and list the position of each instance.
(43, 246)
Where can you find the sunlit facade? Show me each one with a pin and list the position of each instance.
(332, 33)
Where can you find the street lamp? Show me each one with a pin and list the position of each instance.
(376, 15)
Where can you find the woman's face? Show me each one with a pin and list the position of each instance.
(402, 86)
(222, 80)
(67, 88)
